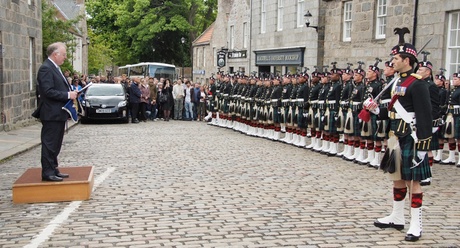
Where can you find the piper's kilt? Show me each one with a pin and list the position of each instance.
(357, 123)
(422, 171)
(332, 128)
(373, 129)
(457, 127)
(286, 115)
(320, 119)
(434, 144)
(276, 115)
(340, 122)
(226, 106)
(301, 120)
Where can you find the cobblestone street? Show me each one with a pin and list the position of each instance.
(188, 184)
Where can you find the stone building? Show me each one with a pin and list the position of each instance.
(20, 58)
(339, 31)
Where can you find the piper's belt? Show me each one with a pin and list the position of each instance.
(384, 103)
(437, 122)
(454, 109)
(356, 106)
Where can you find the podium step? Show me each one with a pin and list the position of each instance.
(29, 187)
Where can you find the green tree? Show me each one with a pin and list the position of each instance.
(55, 30)
(150, 30)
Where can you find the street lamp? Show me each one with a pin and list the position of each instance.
(183, 42)
(307, 23)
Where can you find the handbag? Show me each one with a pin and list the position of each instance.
(163, 98)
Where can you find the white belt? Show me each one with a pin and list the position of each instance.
(274, 100)
(314, 101)
(321, 102)
(293, 100)
(385, 101)
(285, 100)
(267, 101)
(456, 106)
(356, 103)
(225, 94)
(331, 101)
(300, 99)
(343, 102)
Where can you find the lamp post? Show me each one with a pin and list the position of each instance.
(183, 42)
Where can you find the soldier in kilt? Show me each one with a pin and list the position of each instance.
(292, 113)
(425, 70)
(250, 106)
(258, 102)
(322, 97)
(233, 101)
(347, 77)
(440, 81)
(241, 103)
(302, 95)
(452, 126)
(383, 123)
(332, 108)
(410, 100)
(227, 89)
(276, 96)
(352, 123)
(287, 88)
(369, 131)
(313, 108)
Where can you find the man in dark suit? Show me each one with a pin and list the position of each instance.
(54, 91)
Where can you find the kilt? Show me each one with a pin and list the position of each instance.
(373, 128)
(382, 130)
(434, 144)
(319, 120)
(356, 125)
(286, 115)
(301, 120)
(311, 118)
(422, 171)
(457, 127)
(276, 115)
(226, 106)
(340, 122)
(332, 127)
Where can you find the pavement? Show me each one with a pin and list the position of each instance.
(188, 184)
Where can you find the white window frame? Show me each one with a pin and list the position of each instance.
(232, 37)
(280, 18)
(381, 19)
(263, 16)
(453, 43)
(245, 35)
(347, 20)
(300, 13)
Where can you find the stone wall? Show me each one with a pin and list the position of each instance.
(19, 22)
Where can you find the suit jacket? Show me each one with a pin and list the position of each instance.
(53, 89)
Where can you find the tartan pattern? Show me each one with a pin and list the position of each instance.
(434, 145)
(332, 127)
(301, 120)
(356, 125)
(276, 115)
(457, 127)
(418, 173)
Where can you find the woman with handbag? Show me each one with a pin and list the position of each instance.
(166, 99)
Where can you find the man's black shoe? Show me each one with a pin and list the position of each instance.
(62, 175)
(52, 179)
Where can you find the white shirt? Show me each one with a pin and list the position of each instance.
(178, 91)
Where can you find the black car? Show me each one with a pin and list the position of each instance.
(105, 102)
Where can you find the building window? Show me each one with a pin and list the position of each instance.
(381, 22)
(263, 17)
(280, 14)
(453, 43)
(300, 13)
(204, 57)
(245, 35)
(31, 62)
(232, 37)
(347, 21)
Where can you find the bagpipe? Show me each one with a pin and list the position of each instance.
(72, 106)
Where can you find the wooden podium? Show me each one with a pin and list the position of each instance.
(29, 188)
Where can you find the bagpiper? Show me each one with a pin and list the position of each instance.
(275, 98)
(251, 106)
(287, 88)
(406, 158)
(292, 113)
(319, 116)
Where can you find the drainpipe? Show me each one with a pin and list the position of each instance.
(414, 32)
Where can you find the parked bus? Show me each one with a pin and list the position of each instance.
(149, 69)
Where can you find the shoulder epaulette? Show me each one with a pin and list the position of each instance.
(415, 75)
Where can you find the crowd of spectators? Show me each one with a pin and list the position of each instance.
(152, 99)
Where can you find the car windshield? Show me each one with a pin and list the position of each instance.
(106, 90)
